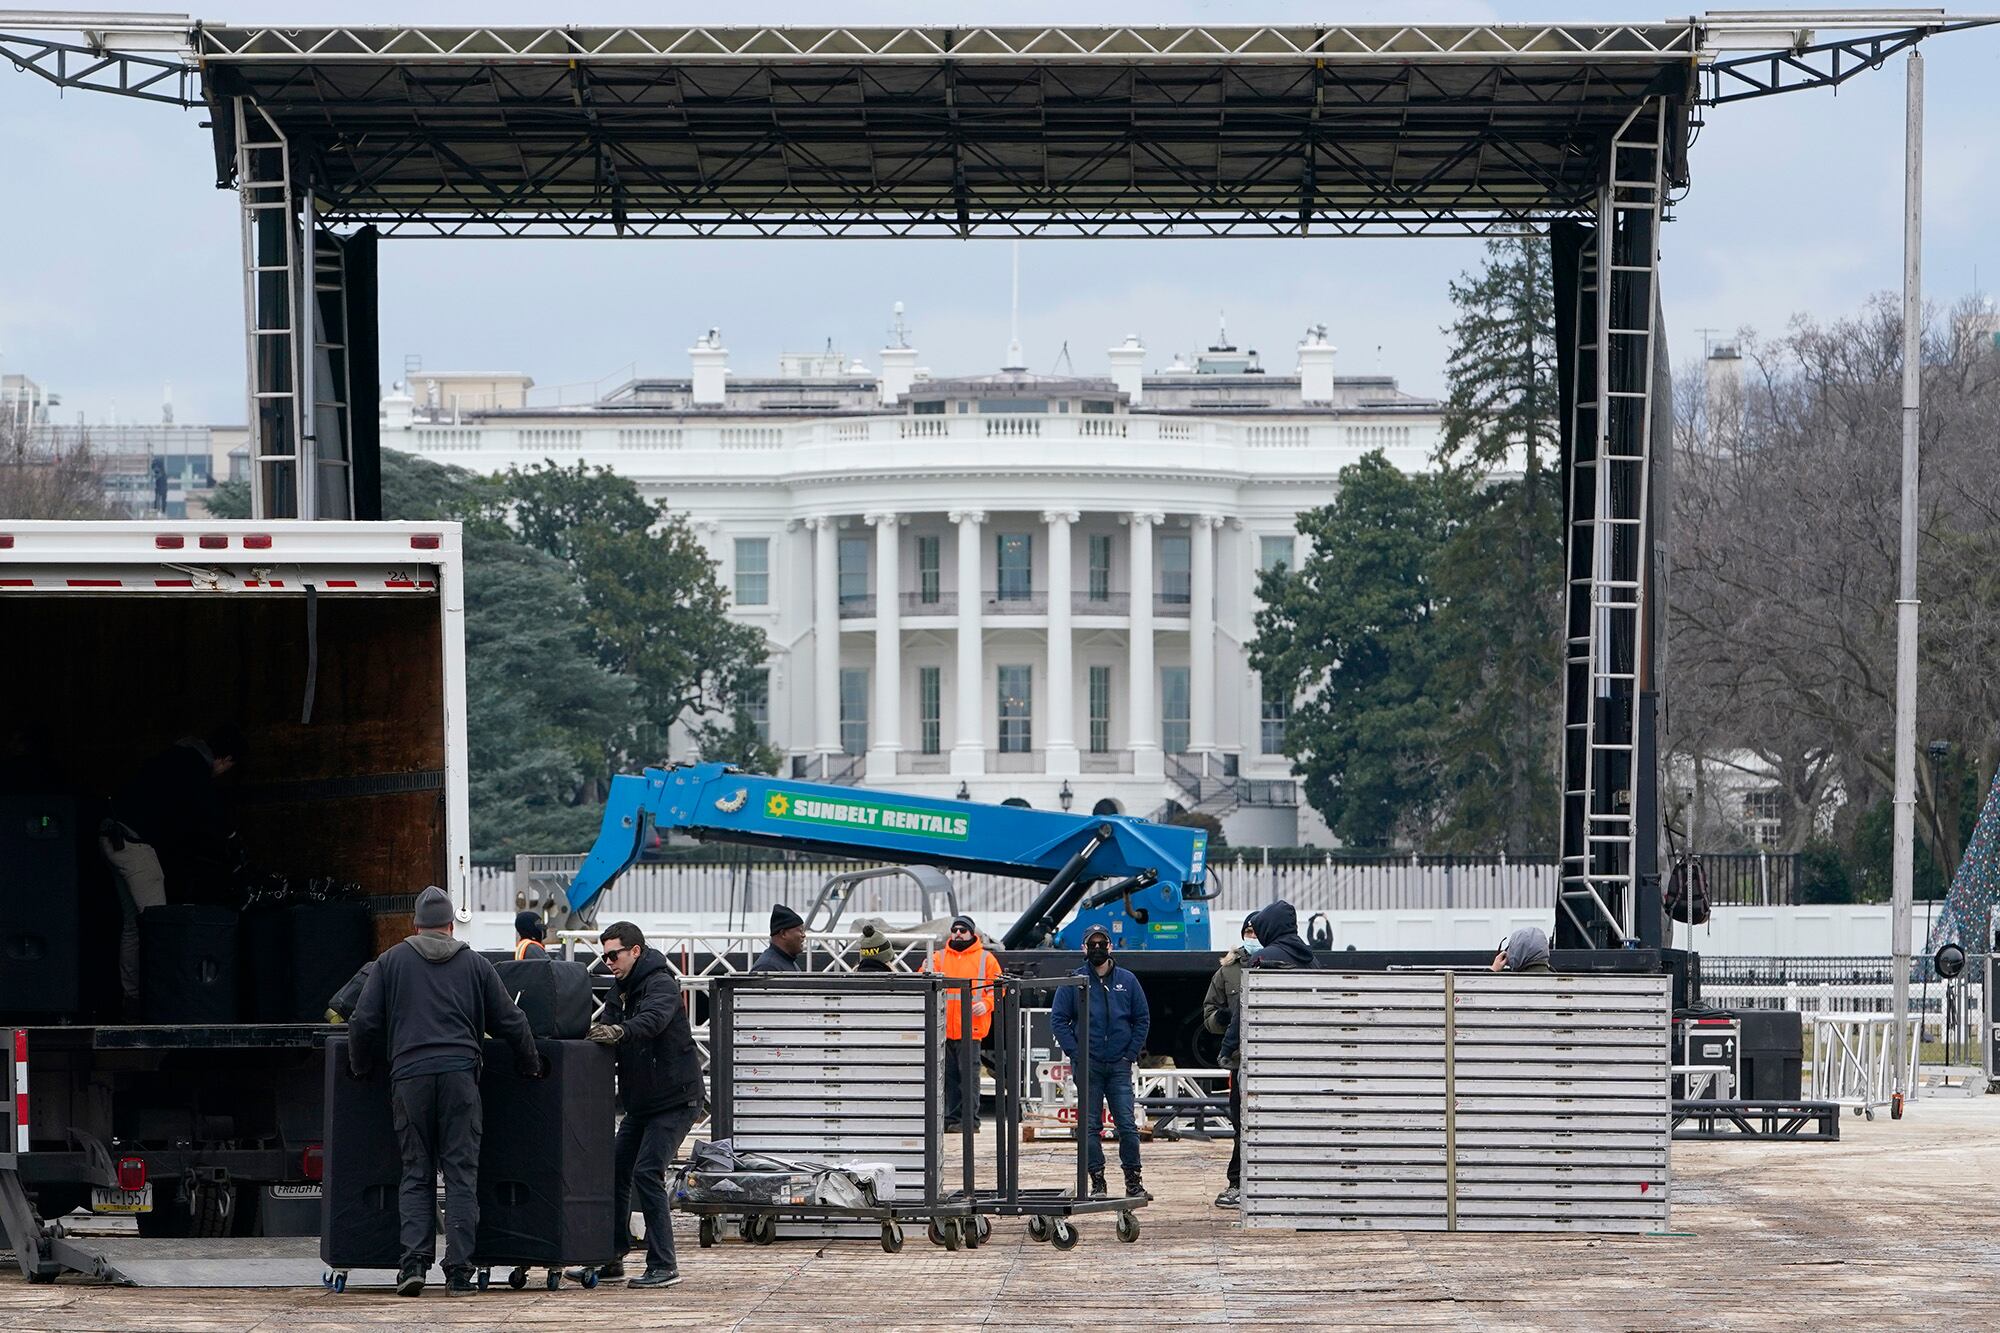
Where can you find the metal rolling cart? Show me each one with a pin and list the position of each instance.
(1050, 1212)
(840, 1066)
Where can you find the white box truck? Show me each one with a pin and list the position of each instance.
(338, 650)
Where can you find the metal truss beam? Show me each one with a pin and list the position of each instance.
(862, 224)
(127, 74)
(1820, 65)
(1456, 44)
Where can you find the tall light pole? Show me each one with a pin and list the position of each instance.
(1906, 589)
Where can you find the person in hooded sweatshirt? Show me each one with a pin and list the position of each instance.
(1218, 1007)
(788, 941)
(1526, 950)
(427, 1004)
(1277, 930)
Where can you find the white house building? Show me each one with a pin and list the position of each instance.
(997, 586)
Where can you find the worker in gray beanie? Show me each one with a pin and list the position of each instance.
(788, 942)
(426, 1005)
(1526, 950)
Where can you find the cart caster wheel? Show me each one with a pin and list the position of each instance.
(554, 1278)
(984, 1226)
(1062, 1235)
(706, 1231)
(590, 1279)
(747, 1229)
(1871, 1113)
(518, 1279)
(485, 1279)
(892, 1238)
(326, 1279)
(1038, 1228)
(935, 1232)
(764, 1230)
(954, 1237)
(1128, 1227)
(340, 1282)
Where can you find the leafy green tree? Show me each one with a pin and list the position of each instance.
(1354, 626)
(655, 610)
(736, 742)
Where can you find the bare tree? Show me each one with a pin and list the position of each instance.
(48, 473)
(1783, 619)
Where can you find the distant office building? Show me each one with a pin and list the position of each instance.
(998, 585)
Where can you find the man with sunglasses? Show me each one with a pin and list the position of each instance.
(964, 957)
(659, 1079)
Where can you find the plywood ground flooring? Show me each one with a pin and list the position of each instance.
(1895, 1227)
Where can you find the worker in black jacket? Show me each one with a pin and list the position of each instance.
(659, 1079)
(1277, 930)
(427, 1004)
(788, 941)
(169, 835)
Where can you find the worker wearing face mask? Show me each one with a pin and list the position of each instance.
(965, 957)
(1119, 1021)
(1218, 1007)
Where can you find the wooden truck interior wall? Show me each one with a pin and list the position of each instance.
(110, 680)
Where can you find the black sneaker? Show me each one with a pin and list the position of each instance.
(1229, 1198)
(1135, 1188)
(459, 1282)
(1098, 1189)
(612, 1272)
(410, 1282)
(656, 1277)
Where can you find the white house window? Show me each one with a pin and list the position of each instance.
(753, 571)
(930, 699)
(854, 710)
(1100, 710)
(1174, 696)
(1016, 724)
(853, 566)
(1277, 707)
(1273, 553)
(1175, 566)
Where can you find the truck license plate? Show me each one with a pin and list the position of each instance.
(104, 1200)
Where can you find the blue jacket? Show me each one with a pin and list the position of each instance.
(1120, 1018)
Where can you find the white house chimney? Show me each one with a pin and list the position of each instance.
(711, 370)
(1316, 366)
(1128, 367)
(899, 362)
(399, 410)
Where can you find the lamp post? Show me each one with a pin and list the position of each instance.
(964, 792)
(1066, 796)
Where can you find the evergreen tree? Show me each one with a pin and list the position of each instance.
(1499, 578)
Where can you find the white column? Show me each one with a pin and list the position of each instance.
(968, 748)
(885, 728)
(826, 636)
(1059, 730)
(1143, 714)
(1201, 635)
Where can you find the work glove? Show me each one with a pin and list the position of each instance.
(334, 1016)
(539, 1069)
(606, 1034)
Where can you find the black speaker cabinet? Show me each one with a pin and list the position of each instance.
(187, 959)
(359, 1223)
(41, 906)
(545, 1171)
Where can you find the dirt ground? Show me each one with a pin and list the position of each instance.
(1891, 1228)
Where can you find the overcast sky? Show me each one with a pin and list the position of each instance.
(119, 259)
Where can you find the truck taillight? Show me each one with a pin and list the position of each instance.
(312, 1162)
(169, 541)
(424, 541)
(6, 541)
(131, 1173)
(214, 541)
(257, 541)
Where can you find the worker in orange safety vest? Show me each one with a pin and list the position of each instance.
(964, 956)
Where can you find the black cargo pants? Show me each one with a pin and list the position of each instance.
(437, 1119)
